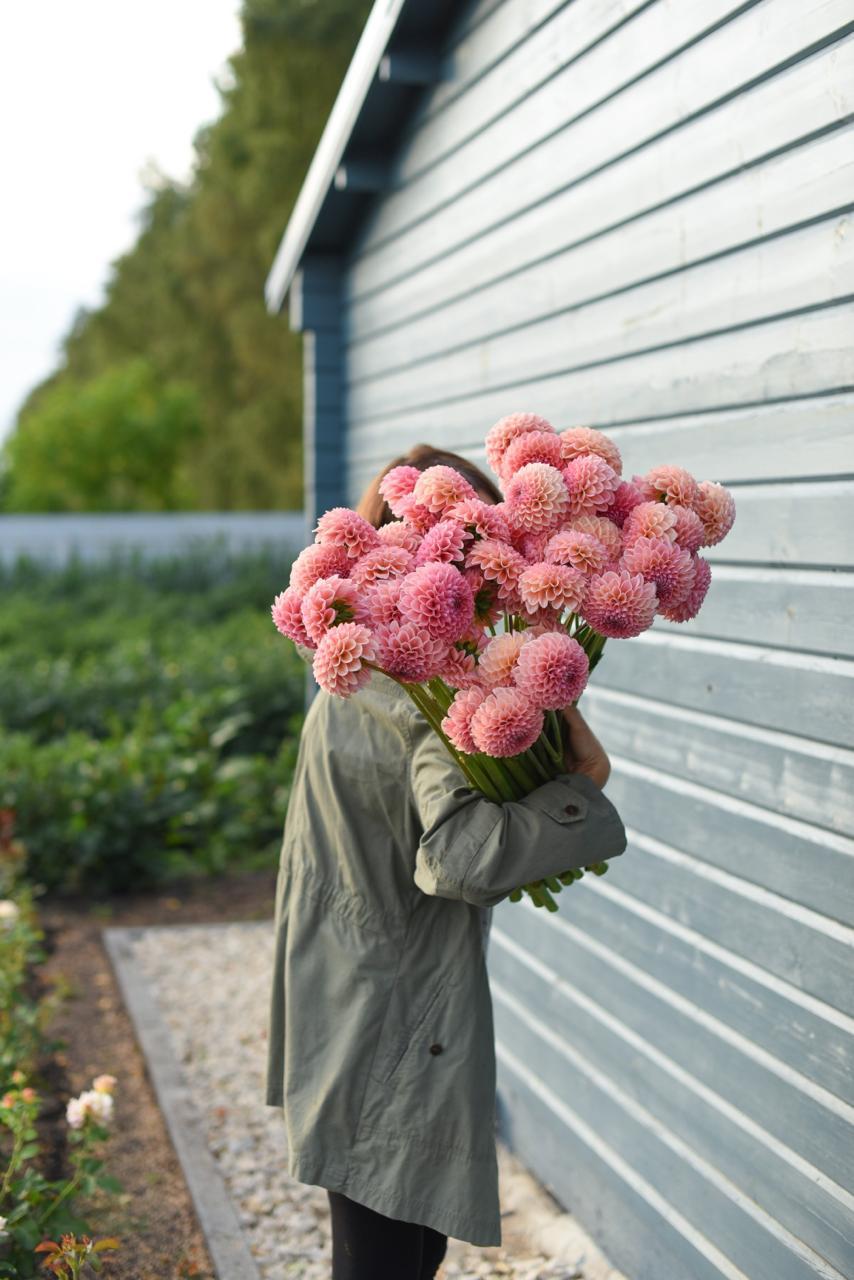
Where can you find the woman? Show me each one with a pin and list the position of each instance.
(381, 1048)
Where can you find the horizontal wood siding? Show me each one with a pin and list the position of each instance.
(640, 216)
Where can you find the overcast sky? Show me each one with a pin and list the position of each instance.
(90, 92)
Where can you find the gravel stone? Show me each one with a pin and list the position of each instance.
(212, 984)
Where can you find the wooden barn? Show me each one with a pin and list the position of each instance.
(637, 215)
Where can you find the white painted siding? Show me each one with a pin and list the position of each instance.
(639, 216)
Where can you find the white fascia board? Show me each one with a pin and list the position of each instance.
(321, 173)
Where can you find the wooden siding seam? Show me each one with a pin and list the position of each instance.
(643, 1117)
(684, 1077)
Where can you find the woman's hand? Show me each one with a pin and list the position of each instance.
(584, 752)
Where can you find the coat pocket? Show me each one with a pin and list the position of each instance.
(402, 1023)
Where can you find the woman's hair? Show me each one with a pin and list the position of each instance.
(375, 509)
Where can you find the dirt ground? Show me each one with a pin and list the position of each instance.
(154, 1217)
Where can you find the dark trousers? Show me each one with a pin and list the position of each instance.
(367, 1245)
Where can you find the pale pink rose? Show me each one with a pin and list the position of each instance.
(339, 662)
(506, 723)
(552, 670)
(341, 527)
(506, 430)
(619, 603)
(438, 598)
(536, 498)
(104, 1084)
(576, 441)
(715, 506)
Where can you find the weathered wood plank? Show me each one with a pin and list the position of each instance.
(794, 776)
(723, 144)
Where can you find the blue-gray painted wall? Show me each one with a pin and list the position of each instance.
(638, 216)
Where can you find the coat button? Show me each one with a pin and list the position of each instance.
(435, 1048)
(571, 808)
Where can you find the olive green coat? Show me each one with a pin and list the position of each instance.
(381, 1048)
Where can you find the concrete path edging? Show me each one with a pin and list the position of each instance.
(225, 1241)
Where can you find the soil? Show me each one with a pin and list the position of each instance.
(153, 1217)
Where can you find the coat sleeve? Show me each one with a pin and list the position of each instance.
(478, 850)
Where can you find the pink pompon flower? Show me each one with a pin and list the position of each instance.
(506, 723)
(688, 528)
(381, 562)
(381, 599)
(315, 562)
(532, 446)
(591, 483)
(668, 483)
(603, 529)
(445, 543)
(498, 660)
(439, 488)
(438, 598)
(341, 527)
(487, 606)
(415, 515)
(650, 520)
(286, 611)
(457, 723)
(532, 546)
(407, 652)
(398, 483)
(506, 430)
(715, 506)
(552, 670)
(552, 586)
(499, 563)
(690, 606)
(339, 661)
(480, 519)
(619, 603)
(328, 603)
(668, 566)
(626, 496)
(581, 550)
(536, 498)
(459, 669)
(399, 534)
(576, 441)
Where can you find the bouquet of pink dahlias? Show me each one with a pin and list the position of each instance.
(493, 616)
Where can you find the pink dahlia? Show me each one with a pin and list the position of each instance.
(668, 566)
(506, 430)
(506, 723)
(438, 598)
(650, 520)
(536, 498)
(669, 484)
(407, 652)
(626, 496)
(415, 515)
(690, 606)
(480, 519)
(399, 534)
(591, 483)
(315, 562)
(459, 669)
(542, 621)
(439, 488)
(341, 527)
(688, 528)
(603, 529)
(487, 607)
(328, 603)
(581, 550)
(576, 441)
(286, 610)
(532, 546)
(533, 446)
(715, 506)
(499, 563)
(445, 542)
(552, 670)
(381, 562)
(552, 586)
(398, 484)
(339, 660)
(457, 723)
(619, 603)
(498, 659)
(381, 599)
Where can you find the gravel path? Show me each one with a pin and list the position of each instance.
(212, 985)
